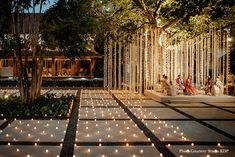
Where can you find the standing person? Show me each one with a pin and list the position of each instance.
(180, 82)
(190, 89)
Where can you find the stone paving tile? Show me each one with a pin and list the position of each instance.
(115, 131)
(230, 109)
(187, 131)
(141, 103)
(116, 151)
(2, 121)
(208, 113)
(186, 104)
(160, 113)
(130, 96)
(96, 113)
(121, 91)
(202, 151)
(95, 96)
(99, 131)
(223, 104)
(29, 151)
(35, 130)
(227, 126)
(104, 102)
(94, 91)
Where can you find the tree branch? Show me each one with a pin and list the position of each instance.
(157, 10)
(171, 23)
(147, 13)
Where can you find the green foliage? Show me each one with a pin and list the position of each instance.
(69, 26)
(187, 17)
(44, 105)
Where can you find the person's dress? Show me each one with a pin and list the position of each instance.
(189, 87)
(180, 84)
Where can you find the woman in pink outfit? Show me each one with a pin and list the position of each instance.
(189, 86)
(180, 82)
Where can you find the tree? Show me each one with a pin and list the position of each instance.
(23, 41)
(188, 16)
(69, 26)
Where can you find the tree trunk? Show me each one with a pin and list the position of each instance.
(23, 79)
(36, 80)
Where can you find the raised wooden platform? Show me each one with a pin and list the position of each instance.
(186, 98)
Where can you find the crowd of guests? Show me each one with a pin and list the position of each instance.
(186, 87)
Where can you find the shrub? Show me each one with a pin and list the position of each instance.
(46, 104)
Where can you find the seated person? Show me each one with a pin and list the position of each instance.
(180, 83)
(208, 85)
(159, 86)
(230, 79)
(190, 89)
(165, 84)
(172, 90)
(218, 88)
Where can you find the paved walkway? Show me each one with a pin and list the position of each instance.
(118, 123)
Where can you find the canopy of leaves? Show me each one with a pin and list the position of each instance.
(189, 16)
(69, 25)
(72, 25)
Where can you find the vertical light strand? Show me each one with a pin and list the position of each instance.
(204, 58)
(201, 60)
(196, 60)
(114, 66)
(227, 57)
(215, 52)
(185, 74)
(105, 65)
(124, 66)
(193, 56)
(209, 54)
(219, 52)
(131, 76)
(110, 66)
(119, 64)
(223, 53)
(140, 62)
(152, 59)
(145, 68)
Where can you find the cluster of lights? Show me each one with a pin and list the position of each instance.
(59, 93)
(144, 113)
(102, 113)
(90, 95)
(109, 129)
(29, 129)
